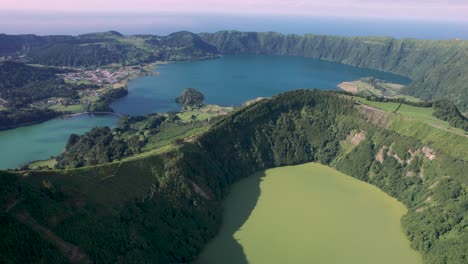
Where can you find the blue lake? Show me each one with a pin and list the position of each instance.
(24, 144)
(230, 80)
(234, 79)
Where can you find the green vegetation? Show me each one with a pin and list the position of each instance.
(136, 134)
(297, 213)
(75, 108)
(203, 113)
(27, 92)
(14, 233)
(373, 87)
(15, 118)
(99, 49)
(21, 84)
(190, 97)
(420, 123)
(42, 164)
(446, 111)
(165, 205)
(96, 147)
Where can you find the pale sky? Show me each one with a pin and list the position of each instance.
(437, 10)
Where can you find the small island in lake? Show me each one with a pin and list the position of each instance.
(190, 97)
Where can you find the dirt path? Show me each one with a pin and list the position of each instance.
(72, 252)
(366, 107)
(448, 130)
(12, 204)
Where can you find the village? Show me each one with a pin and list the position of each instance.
(98, 76)
(96, 83)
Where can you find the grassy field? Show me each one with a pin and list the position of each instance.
(50, 163)
(204, 113)
(419, 122)
(69, 108)
(172, 132)
(309, 214)
(376, 87)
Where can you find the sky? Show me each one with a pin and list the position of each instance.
(445, 10)
(437, 18)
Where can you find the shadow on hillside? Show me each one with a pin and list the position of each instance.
(238, 208)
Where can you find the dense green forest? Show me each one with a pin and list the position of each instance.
(447, 111)
(21, 84)
(164, 207)
(98, 146)
(103, 145)
(133, 135)
(437, 68)
(19, 117)
(98, 49)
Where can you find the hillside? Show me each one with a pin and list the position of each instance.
(163, 206)
(98, 49)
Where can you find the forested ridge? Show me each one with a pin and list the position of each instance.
(98, 49)
(163, 208)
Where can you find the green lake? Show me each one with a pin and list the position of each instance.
(309, 214)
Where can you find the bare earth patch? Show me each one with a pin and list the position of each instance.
(429, 153)
(375, 116)
(413, 154)
(200, 191)
(349, 87)
(357, 138)
(72, 252)
(380, 154)
(395, 156)
(250, 102)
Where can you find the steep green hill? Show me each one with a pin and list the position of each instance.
(164, 207)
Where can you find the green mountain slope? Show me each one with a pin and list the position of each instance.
(163, 208)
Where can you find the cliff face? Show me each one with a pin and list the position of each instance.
(437, 67)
